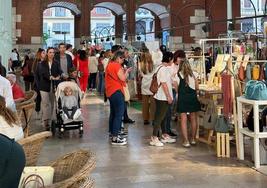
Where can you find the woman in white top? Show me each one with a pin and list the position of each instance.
(187, 101)
(9, 123)
(93, 62)
(163, 98)
(146, 72)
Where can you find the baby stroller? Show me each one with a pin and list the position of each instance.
(62, 123)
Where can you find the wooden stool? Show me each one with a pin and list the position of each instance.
(223, 145)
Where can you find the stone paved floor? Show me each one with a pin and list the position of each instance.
(142, 166)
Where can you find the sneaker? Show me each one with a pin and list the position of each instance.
(186, 144)
(124, 130)
(130, 121)
(123, 135)
(118, 142)
(119, 137)
(155, 142)
(193, 142)
(167, 139)
(172, 134)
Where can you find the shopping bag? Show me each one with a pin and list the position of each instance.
(36, 177)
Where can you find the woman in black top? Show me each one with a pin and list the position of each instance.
(12, 162)
(48, 75)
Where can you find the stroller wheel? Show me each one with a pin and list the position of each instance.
(81, 133)
(53, 128)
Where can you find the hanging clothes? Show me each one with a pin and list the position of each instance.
(227, 95)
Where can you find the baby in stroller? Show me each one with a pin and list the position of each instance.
(68, 108)
(69, 104)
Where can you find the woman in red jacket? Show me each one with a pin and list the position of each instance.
(81, 65)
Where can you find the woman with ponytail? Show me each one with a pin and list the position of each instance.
(9, 123)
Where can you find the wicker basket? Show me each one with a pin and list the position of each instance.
(25, 108)
(72, 169)
(32, 146)
(84, 183)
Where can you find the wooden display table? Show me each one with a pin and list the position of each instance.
(256, 135)
(209, 133)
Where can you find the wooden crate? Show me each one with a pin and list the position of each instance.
(223, 144)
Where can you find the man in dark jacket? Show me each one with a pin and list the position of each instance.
(64, 59)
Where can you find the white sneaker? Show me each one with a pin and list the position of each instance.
(167, 139)
(155, 142)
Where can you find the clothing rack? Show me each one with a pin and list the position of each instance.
(203, 42)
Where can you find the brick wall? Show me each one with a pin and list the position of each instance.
(29, 17)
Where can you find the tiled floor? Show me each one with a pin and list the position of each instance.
(142, 166)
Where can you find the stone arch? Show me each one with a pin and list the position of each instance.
(64, 4)
(72, 6)
(158, 10)
(115, 8)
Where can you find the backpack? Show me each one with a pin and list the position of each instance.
(154, 86)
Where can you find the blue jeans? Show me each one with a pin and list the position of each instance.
(101, 82)
(117, 106)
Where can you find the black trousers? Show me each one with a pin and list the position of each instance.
(12, 162)
(92, 81)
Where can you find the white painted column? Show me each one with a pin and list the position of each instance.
(5, 30)
(229, 11)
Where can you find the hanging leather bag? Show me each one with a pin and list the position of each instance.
(256, 72)
(256, 90)
(241, 72)
(262, 73)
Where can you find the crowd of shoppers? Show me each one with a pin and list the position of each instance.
(108, 73)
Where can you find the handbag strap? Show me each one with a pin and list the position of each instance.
(38, 179)
(78, 65)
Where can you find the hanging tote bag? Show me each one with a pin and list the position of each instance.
(256, 90)
(256, 72)
(222, 125)
(210, 115)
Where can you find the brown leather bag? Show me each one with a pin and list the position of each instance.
(154, 86)
(262, 73)
(241, 72)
